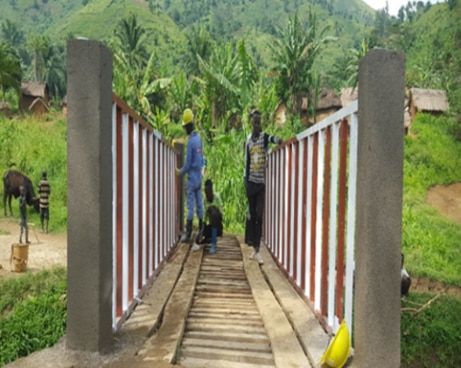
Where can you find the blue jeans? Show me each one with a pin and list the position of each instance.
(194, 197)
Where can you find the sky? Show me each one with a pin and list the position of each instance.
(394, 5)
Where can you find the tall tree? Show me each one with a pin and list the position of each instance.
(38, 44)
(136, 76)
(219, 83)
(12, 33)
(130, 39)
(54, 73)
(352, 64)
(10, 68)
(294, 54)
(199, 47)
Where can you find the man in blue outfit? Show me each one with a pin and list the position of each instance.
(193, 169)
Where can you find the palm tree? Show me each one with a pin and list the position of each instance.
(12, 33)
(38, 44)
(294, 55)
(130, 40)
(55, 70)
(199, 46)
(219, 83)
(10, 68)
(182, 92)
(352, 61)
(247, 76)
(136, 78)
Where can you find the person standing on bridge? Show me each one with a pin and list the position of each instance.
(44, 194)
(255, 167)
(193, 169)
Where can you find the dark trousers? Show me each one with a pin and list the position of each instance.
(253, 231)
(207, 232)
(215, 218)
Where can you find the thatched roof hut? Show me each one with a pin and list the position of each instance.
(280, 113)
(432, 101)
(34, 97)
(327, 103)
(349, 95)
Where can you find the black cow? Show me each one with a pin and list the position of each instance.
(12, 180)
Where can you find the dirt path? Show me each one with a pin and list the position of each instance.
(45, 250)
(447, 199)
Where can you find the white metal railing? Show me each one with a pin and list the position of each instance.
(145, 206)
(309, 221)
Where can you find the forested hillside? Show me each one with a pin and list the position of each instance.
(220, 57)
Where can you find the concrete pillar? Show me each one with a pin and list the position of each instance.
(379, 209)
(89, 196)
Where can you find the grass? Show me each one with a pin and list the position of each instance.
(33, 313)
(30, 145)
(430, 331)
(430, 240)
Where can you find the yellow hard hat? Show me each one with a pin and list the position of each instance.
(187, 117)
(338, 350)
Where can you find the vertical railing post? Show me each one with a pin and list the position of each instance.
(89, 198)
(179, 147)
(379, 209)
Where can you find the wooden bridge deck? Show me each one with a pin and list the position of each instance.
(224, 323)
(226, 310)
(222, 310)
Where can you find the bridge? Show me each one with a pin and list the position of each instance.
(334, 254)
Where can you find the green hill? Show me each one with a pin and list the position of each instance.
(167, 22)
(430, 36)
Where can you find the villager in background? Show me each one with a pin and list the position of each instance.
(23, 215)
(44, 192)
(193, 169)
(405, 282)
(255, 168)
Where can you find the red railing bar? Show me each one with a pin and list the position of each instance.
(325, 221)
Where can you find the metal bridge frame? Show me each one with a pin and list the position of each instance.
(123, 204)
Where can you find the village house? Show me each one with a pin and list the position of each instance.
(351, 94)
(326, 104)
(34, 97)
(432, 101)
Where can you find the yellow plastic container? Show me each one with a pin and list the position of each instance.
(19, 257)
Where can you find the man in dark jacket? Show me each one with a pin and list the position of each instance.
(255, 168)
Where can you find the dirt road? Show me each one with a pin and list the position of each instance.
(45, 250)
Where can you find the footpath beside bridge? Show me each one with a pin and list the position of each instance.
(220, 311)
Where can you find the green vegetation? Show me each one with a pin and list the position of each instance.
(430, 331)
(240, 50)
(33, 313)
(431, 241)
(31, 145)
(221, 59)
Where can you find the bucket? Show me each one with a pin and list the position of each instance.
(19, 257)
